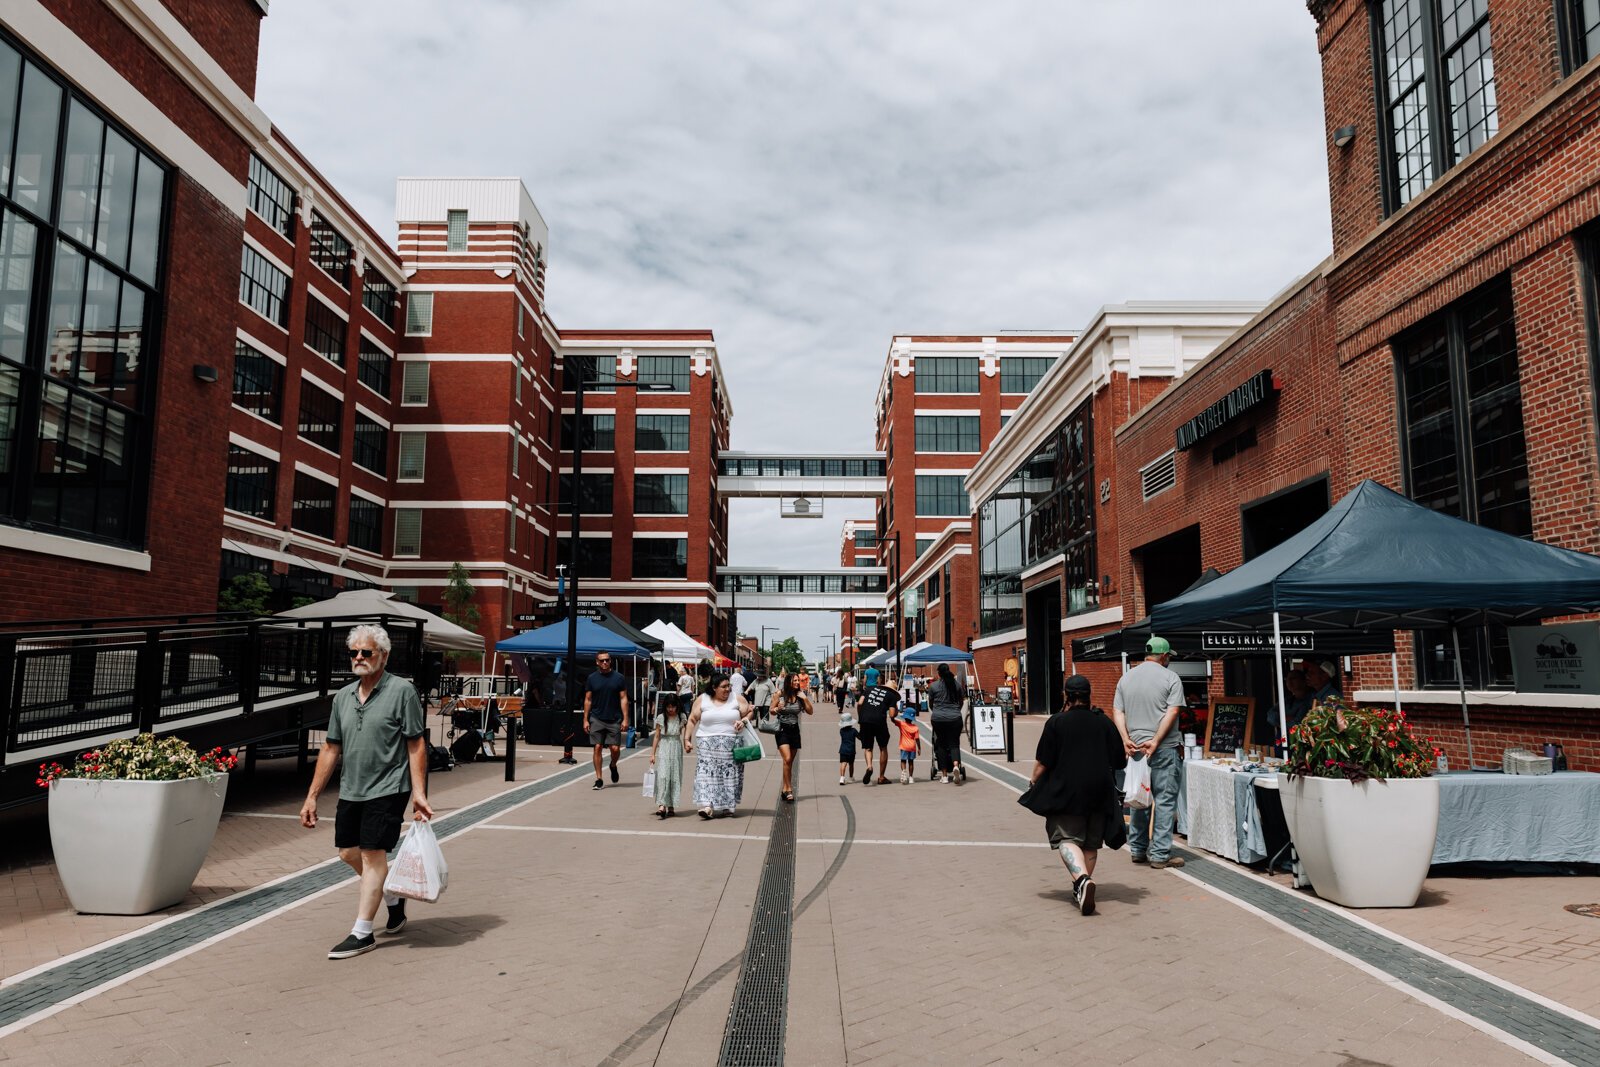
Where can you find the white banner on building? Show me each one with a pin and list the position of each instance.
(1563, 658)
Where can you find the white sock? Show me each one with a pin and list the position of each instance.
(362, 928)
(390, 900)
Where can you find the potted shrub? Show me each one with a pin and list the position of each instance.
(1361, 807)
(131, 822)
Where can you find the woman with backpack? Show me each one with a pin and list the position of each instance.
(945, 698)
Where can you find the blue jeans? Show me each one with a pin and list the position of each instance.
(1150, 831)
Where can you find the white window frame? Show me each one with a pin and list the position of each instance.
(420, 441)
(414, 515)
(415, 302)
(406, 383)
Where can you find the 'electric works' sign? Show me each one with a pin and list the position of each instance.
(1253, 393)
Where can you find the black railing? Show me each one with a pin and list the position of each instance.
(69, 681)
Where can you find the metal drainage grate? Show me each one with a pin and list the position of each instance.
(1590, 910)
(759, 1013)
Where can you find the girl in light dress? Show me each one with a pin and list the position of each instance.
(666, 757)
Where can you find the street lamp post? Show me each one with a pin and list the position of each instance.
(577, 517)
(766, 653)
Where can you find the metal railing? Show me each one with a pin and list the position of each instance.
(72, 680)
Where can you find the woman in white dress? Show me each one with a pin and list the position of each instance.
(711, 735)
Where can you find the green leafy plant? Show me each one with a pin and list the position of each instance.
(786, 655)
(458, 597)
(1337, 740)
(247, 593)
(146, 758)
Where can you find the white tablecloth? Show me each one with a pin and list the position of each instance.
(1501, 818)
(1212, 810)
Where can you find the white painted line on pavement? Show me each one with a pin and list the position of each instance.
(257, 815)
(1509, 1040)
(621, 833)
(908, 841)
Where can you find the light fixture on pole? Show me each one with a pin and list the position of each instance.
(766, 653)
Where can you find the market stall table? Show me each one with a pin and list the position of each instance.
(1504, 818)
(1222, 814)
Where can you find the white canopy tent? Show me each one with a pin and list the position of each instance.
(436, 632)
(675, 644)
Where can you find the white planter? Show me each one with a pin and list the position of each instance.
(129, 848)
(1366, 845)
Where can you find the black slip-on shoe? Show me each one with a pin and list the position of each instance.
(352, 946)
(615, 777)
(1086, 897)
(397, 919)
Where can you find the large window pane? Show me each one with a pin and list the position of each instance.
(595, 498)
(257, 382)
(374, 368)
(252, 483)
(18, 253)
(10, 423)
(599, 433)
(270, 197)
(1019, 374)
(325, 331)
(10, 90)
(321, 415)
(330, 251)
(80, 173)
(144, 245)
(366, 524)
(370, 446)
(661, 494)
(661, 433)
(946, 374)
(673, 370)
(660, 557)
(264, 287)
(38, 125)
(942, 494)
(594, 556)
(81, 476)
(947, 433)
(313, 510)
(598, 373)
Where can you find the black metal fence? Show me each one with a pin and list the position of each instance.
(72, 680)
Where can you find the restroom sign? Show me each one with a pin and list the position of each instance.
(988, 728)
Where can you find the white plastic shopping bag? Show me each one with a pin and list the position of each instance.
(419, 870)
(1136, 784)
(650, 782)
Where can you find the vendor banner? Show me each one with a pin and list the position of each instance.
(1257, 641)
(1564, 658)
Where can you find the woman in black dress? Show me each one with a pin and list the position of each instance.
(787, 705)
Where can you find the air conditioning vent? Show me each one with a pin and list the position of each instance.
(1159, 476)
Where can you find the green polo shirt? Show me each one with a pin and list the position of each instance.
(372, 737)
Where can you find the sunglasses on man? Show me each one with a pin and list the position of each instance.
(363, 653)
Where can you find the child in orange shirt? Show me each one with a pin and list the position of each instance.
(910, 743)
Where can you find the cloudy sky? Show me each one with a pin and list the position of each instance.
(810, 179)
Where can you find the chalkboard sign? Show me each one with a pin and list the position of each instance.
(1230, 724)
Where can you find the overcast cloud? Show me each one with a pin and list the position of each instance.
(810, 179)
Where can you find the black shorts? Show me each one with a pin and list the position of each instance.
(788, 735)
(873, 733)
(370, 824)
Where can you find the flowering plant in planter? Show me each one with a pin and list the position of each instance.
(145, 758)
(1338, 740)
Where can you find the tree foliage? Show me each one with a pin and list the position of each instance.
(458, 597)
(246, 593)
(787, 656)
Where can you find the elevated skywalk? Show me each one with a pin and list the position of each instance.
(809, 475)
(814, 589)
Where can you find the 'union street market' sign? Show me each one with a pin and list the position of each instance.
(1241, 399)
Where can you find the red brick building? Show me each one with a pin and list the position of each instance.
(1043, 502)
(1448, 347)
(858, 630)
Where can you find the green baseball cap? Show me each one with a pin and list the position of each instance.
(1157, 646)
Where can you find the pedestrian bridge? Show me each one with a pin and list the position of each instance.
(803, 475)
(818, 589)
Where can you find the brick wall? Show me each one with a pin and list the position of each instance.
(230, 30)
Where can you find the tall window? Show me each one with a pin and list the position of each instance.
(660, 557)
(1465, 451)
(661, 433)
(80, 245)
(330, 250)
(325, 331)
(942, 494)
(947, 433)
(252, 483)
(408, 532)
(598, 373)
(1580, 31)
(1437, 87)
(946, 374)
(321, 415)
(271, 197)
(419, 315)
(674, 370)
(646, 612)
(661, 494)
(370, 449)
(373, 368)
(594, 498)
(366, 524)
(413, 457)
(263, 287)
(313, 505)
(414, 383)
(925, 543)
(456, 231)
(599, 433)
(378, 295)
(257, 382)
(594, 556)
(1019, 374)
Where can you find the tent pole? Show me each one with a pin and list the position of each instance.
(1277, 663)
(1394, 671)
(1461, 687)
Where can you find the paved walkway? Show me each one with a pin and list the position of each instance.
(903, 924)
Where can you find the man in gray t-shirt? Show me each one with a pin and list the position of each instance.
(1145, 710)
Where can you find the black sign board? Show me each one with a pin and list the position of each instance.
(548, 613)
(1257, 641)
(1253, 393)
(1230, 725)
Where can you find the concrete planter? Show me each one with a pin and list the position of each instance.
(1365, 845)
(130, 848)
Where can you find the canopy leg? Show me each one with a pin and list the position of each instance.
(1461, 686)
(1394, 672)
(1277, 663)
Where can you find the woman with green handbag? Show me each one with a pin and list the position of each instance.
(713, 731)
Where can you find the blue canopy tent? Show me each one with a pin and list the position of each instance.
(924, 654)
(551, 640)
(1378, 560)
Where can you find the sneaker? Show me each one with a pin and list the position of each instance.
(568, 759)
(352, 946)
(866, 779)
(397, 918)
(598, 784)
(944, 779)
(1086, 897)
(615, 777)
(1140, 858)
(841, 779)
(1170, 861)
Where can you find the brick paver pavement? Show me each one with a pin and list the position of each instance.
(580, 930)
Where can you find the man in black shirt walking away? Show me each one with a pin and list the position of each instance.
(877, 704)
